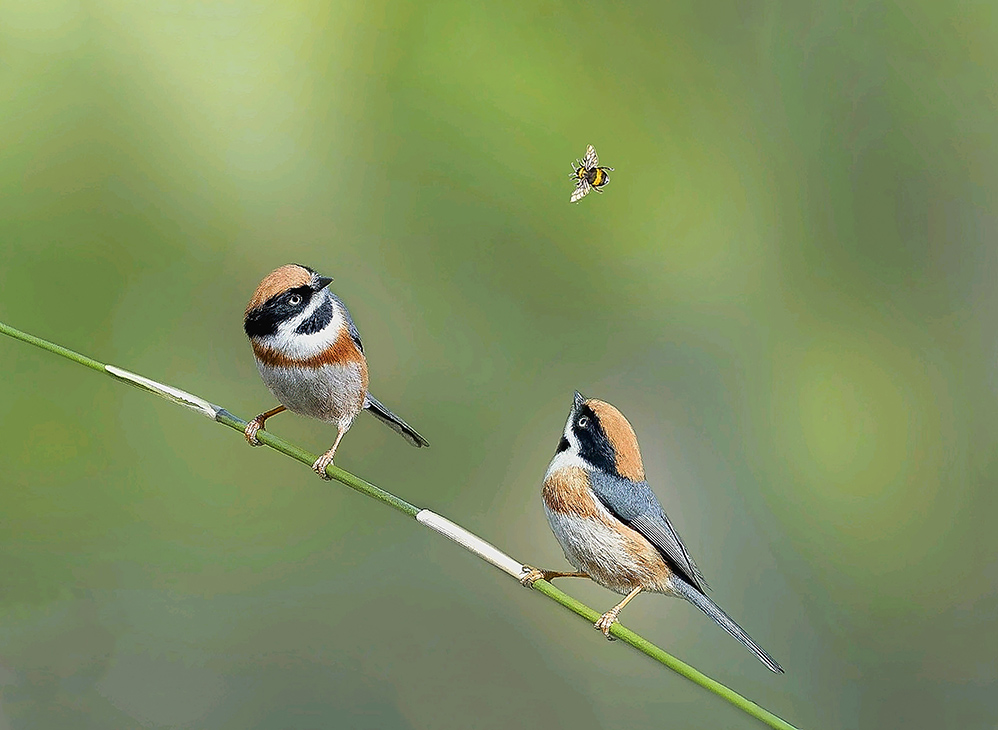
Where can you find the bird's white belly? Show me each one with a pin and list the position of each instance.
(609, 557)
(332, 393)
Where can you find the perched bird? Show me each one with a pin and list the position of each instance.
(309, 354)
(589, 175)
(610, 524)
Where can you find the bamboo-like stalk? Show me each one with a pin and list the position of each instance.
(452, 531)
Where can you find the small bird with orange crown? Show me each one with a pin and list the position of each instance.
(610, 524)
(309, 354)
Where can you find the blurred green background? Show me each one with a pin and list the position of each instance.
(789, 287)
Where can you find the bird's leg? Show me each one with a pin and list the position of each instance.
(257, 423)
(606, 620)
(319, 467)
(531, 575)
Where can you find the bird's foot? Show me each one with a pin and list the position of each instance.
(605, 622)
(319, 467)
(531, 575)
(250, 432)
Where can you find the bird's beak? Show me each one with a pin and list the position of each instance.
(579, 400)
(321, 282)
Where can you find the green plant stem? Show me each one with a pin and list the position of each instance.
(295, 452)
(306, 457)
(659, 655)
(51, 347)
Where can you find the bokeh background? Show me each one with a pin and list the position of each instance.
(789, 287)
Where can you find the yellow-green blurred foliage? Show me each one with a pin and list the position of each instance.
(788, 287)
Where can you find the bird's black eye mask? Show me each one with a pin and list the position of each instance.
(265, 319)
(594, 445)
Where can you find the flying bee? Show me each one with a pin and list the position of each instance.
(588, 175)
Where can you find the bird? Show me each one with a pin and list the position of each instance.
(310, 355)
(588, 175)
(611, 525)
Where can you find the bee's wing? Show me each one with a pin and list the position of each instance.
(581, 190)
(591, 159)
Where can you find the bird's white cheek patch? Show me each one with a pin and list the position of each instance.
(565, 460)
(570, 456)
(302, 347)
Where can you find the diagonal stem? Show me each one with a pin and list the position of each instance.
(445, 527)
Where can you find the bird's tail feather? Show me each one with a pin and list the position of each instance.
(394, 422)
(710, 608)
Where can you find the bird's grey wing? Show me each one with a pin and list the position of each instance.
(351, 327)
(355, 335)
(635, 504)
